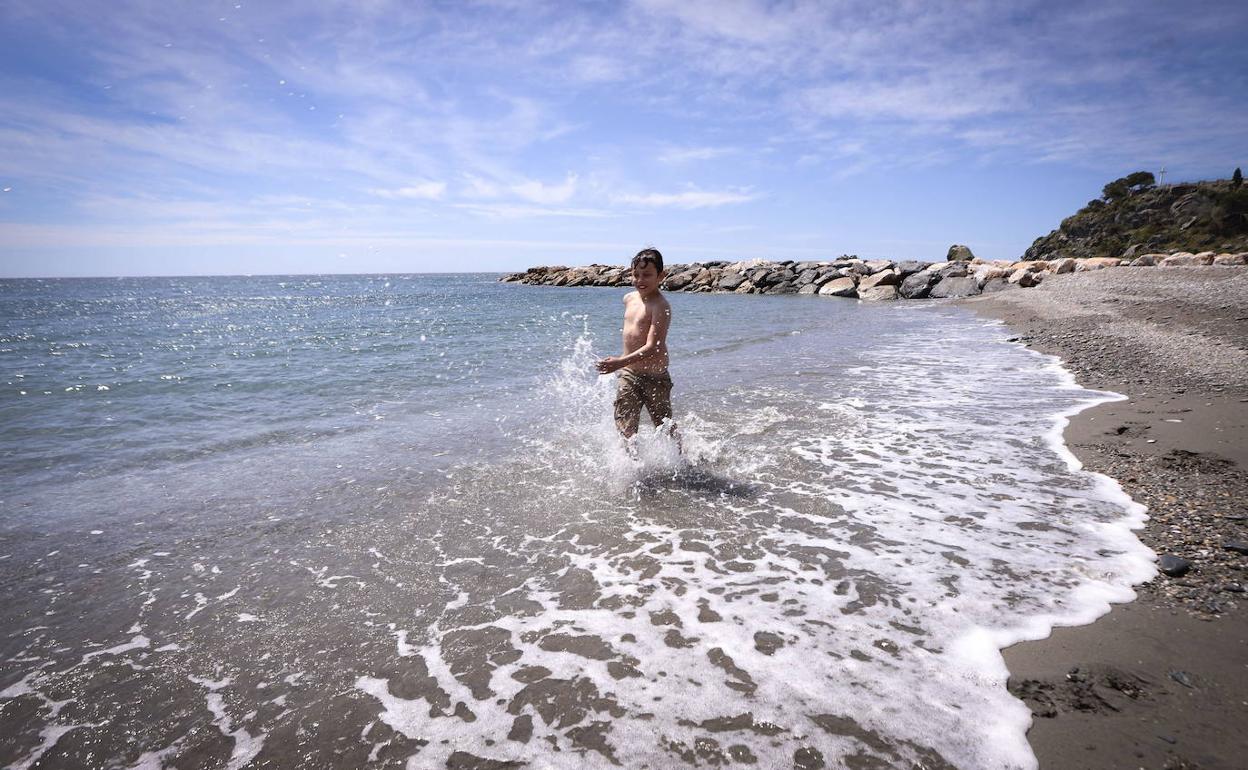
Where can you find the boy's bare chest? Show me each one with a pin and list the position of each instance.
(636, 316)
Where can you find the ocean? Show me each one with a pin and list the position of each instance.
(386, 521)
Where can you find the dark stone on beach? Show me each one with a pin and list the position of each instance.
(1183, 678)
(965, 286)
(917, 285)
(1174, 566)
(806, 276)
(1238, 546)
(784, 287)
(731, 281)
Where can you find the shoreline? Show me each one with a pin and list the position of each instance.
(1160, 681)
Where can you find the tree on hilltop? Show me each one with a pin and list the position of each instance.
(1129, 184)
(1237, 178)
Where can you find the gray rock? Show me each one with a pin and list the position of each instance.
(878, 293)
(784, 287)
(952, 270)
(1238, 546)
(1144, 260)
(958, 253)
(678, 281)
(996, 284)
(839, 287)
(810, 288)
(1174, 566)
(876, 265)
(917, 285)
(882, 278)
(730, 281)
(806, 276)
(956, 286)
(911, 266)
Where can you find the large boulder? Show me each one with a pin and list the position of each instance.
(958, 269)
(744, 266)
(911, 266)
(917, 285)
(1097, 263)
(996, 284)
(839, 287)
(963, 286)
(1180, 259)
(1147, 260)
(806, 276)
(809, 288)
(985, 273)
(876, 265)
(1231, 260)
(959, 253)
(679, 281)
(882, 278)
(730, 281)
(1024, 278)
(1062, 265)
(878, 293)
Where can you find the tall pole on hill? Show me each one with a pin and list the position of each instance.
(1161, 176)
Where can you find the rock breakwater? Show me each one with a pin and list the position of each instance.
(866, 279)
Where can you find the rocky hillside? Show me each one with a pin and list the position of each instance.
(1135, 216)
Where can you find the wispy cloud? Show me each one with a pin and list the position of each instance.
(690, 154)
(689, 199)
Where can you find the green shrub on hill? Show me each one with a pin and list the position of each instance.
(1136, 216)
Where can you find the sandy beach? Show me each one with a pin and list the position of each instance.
(1161, 682)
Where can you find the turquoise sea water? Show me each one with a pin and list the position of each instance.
(354, 520)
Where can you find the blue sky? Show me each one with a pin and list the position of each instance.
(163, 137)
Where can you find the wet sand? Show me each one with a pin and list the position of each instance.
(1161, 682)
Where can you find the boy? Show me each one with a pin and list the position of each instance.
(644, 380)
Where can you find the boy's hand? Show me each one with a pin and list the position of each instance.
(609, 364)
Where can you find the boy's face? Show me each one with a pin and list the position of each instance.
(646, 277)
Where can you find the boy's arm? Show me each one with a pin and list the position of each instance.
(656, 341)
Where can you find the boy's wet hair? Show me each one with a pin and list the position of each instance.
(648, 256)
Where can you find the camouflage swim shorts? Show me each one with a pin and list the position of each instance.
(638, 389)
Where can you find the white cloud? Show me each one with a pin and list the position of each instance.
(430, 191)
(540, 192)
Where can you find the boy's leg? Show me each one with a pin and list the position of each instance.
(658, 399)
(628, 402)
